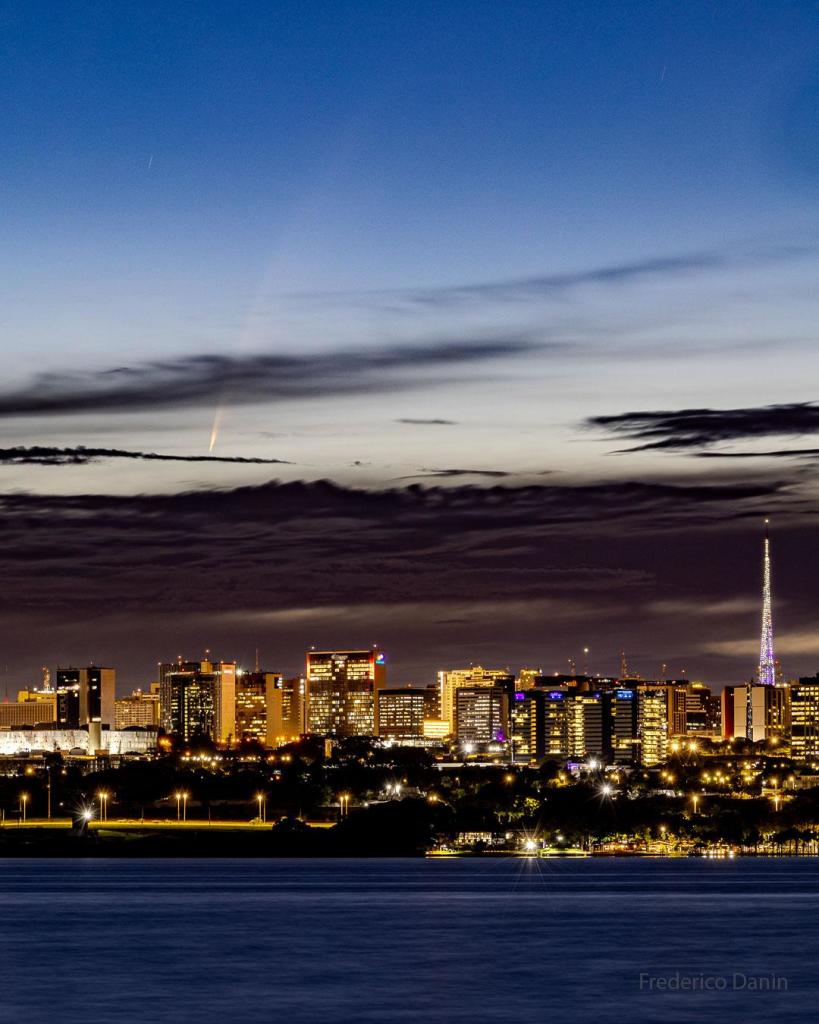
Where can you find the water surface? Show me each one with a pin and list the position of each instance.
(320, 942)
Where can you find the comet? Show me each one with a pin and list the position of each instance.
(214, 434)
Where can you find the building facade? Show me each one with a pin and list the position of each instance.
(342, 688)
(198, 698)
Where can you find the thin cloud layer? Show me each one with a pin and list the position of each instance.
(701, 428)
(41, 455)
(242, 380)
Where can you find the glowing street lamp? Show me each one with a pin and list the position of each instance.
(185, 795)
(260, 797)
(695, 800)
(178, 796)
(344, 804)
(23, 804)
(103, 799)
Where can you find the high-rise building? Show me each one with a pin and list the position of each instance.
(653, 724)
(450, 680)
(85, 696)
(589, 725)
(766, 712)
(482, 717)
(254, 697)
(702, 711)
(287, 711)
(341, 692)
(138, 709)
(402, 713)
(625, 738)
(804, 719)
(198, 698)
(526, 725)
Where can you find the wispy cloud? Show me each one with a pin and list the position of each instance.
(40, 455)
(427, 423)
(199, 380)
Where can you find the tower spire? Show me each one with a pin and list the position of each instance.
(767, 664)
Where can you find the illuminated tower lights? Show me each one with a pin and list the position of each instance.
(767, 663)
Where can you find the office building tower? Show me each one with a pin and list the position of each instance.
(402, 713)
(625, 740)
(85, 696)
(138, 709)
(482, 717)
(766, 712)
(702, 712)
(804, 719)
(287, 711)
(653, 723)
(589, 725)
(341, 692)
(254, 697)
(198, 698)
(450, 680)
(526, 726)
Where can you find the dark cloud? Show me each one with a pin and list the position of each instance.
(531, 572)
(427, 423)
(496, 474)
(780, 453)
(205, 380)
(699, 428)
(40, 455)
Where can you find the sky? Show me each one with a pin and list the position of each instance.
(484, 332)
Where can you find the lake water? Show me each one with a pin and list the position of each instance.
(444, 941)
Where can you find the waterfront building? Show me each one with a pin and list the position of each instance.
(625, 738)
(653, 724)
(589, 725)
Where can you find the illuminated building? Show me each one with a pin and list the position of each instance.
(436, 729)
(198, 698)
(450, 680)
(481, 716)
(804, 704)
(652, 724)
(526, 725)
(32, 708)
(287, 710)
(734, 711)
(253, 699)
(625, 740)
(702, 711)
(588, 725)
(341, 692)
(766, 712)
(139, 708)
(528, 678)
(85, 695)
(402, 713)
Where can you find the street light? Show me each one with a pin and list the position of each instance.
(344, 804)
(178, 795)
(185, 795)
(103, 799)
(262, 807)
(23, 803)
(695, 800)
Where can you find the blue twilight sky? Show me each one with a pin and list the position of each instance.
(409, 243)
